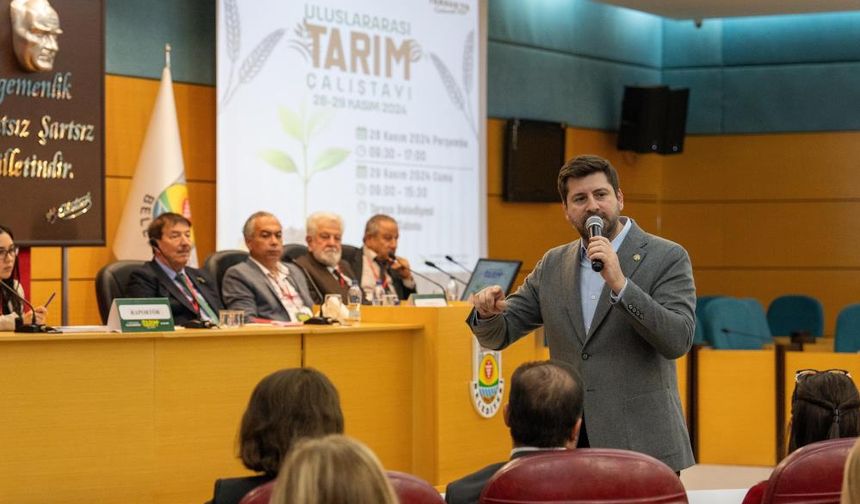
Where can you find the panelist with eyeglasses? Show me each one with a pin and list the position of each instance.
(11, 307)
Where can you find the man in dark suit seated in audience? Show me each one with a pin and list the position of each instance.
(544, 412)
(263, 286)
(323, 263)
(190, 290)
(377, 261)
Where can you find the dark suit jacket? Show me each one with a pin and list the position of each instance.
(324, 280)
(467, 489)
(151, 281)
(402, 291)
(231, 490)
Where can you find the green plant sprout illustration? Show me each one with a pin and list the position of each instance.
(302, 128)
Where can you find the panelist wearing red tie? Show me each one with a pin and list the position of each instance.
(378, 261)
(323, 263)
(191, 292)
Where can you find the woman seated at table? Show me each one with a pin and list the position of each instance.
(332, 469)
(286, 406)
(11, 306)
(825, 405)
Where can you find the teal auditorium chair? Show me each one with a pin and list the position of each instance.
(795, 313)
(847, 337)
(736, 324)
(700, 337)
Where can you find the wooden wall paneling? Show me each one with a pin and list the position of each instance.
(766, 234)
(762, 167)
(201, 196)
(128, 107)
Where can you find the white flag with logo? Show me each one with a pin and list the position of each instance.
(158, 184)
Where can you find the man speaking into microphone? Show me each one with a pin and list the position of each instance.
(378, 262)
(618, 304)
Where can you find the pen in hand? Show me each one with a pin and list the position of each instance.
(50, 299)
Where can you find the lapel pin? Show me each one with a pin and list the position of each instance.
(637, 257)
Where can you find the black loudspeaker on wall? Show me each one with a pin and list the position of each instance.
(653, 119)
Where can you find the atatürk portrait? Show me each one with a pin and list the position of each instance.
(35, 27)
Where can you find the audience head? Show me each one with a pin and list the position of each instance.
(324, 236)
(381, 235)
(545, 405)
(332, 470)
(170, 239)
(851, 477)
(286, 406)
(824, 406)
(264, 238)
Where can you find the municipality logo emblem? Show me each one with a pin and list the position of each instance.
(488, 386)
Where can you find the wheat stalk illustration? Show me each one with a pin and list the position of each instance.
(302, 42)
(253, 62)
(458, 97)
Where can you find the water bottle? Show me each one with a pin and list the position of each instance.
(378, 294)
(353, 298)
(452, 290)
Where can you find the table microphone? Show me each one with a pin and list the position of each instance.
(419, 275)
(452, 277)
(594, 225)
(451, 259)
(21, 326)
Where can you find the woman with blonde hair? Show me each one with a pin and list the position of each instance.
(851, 479)
(333, 469)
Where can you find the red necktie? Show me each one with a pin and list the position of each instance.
(339, 276)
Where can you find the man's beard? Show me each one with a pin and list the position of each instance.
(610, 225)
(329, 257)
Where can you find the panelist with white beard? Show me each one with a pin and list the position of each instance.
(323, 262)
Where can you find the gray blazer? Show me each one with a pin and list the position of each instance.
(246, 288)
(626, 358)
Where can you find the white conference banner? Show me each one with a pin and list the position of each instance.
(358, 108)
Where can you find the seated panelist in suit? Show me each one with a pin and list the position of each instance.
(263, 286)
(544, 412)
(191, 292)
(323, 263)
(377, 260)
(11, 307)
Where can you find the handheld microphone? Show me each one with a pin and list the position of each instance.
(594, 225)
(452, 277)
(451, 259)
(22, 327)
(419, 275)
